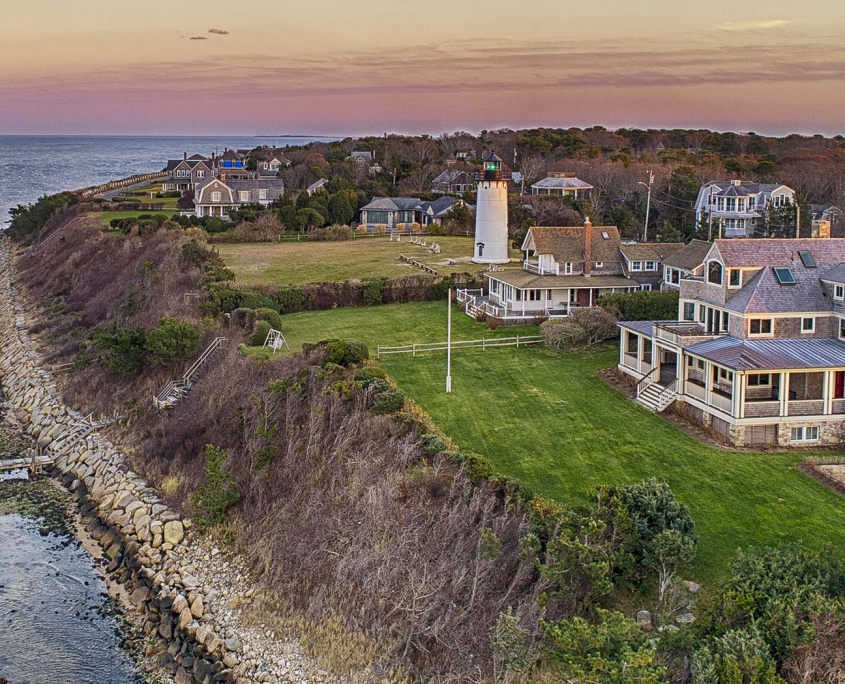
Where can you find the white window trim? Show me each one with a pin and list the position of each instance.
(216, 196)
(636, 265)
(804, 430)
(653, 266)
(839, 292)
(760, 384)
(645, 287)
(567, 268)
(734, 287)
(761, 334)
(812, 329)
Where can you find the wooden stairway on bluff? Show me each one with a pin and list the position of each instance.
(178, 389)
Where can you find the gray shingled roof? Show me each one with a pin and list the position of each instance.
(566, 243)
(758, 252)
(575, 183)
(775, 354)
(650, 251)
(438, 206)
(524, 279)
(690, 257)
(835, 275)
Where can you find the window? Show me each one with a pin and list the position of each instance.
(807, 259)
(808, 325)
(494, 286)
(650, 266)
(549, 295)
(841, 328)
(262, 194)
(702, 314)
(377, 217)
(646, 287)
(216, 196)
(700, 364)
(839, 292)
(675, 276)
(735, 278)
(759, 380)
(726, 321)
(200, 174)
(599, 264)
(567, 268)
(760, 326)
(636, 265)
(714, 273)
(519, 295)
(243, 195)
(784, 276)
(689, 311)
(535, 295)
(804, 434)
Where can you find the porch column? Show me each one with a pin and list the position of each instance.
(708, 383)
(623, 346)
(738, 393)
(827, 392)
(591, 296)
(639, 354)
(784, 394)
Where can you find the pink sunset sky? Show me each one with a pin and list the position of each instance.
(370, 66)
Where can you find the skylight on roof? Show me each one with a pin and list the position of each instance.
(784, 276)
(807, 259)
(605, 235)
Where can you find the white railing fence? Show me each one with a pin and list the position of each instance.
(483, 344)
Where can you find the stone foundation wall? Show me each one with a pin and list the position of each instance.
(144, 539)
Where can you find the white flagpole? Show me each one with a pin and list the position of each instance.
(449, 347)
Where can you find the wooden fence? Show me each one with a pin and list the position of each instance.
(483, 344)
(123, 182)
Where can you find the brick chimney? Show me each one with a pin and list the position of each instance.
(184, 156)
(588, 247)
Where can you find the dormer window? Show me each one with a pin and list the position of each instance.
(714, 273)
(567, 268)
(599, 264)
(636, 265)
(650, 266)
(839, 292)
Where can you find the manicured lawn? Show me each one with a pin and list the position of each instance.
(300, 263)
(551, 421)
(389, 325)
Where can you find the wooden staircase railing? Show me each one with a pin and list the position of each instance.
(178, 389)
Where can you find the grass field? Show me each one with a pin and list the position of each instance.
(549, 420)
(300, 263)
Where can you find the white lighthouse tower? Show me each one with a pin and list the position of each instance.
(491, 214)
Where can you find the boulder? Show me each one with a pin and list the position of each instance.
(644, 619)
(197, 607)
(173, 532)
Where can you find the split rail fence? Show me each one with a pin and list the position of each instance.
(483, 344)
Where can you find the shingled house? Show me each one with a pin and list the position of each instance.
(396, 212)
(184, 174)
(687, 261)
(643, 261)
(757, 352)
(218, 196)
(564, 268)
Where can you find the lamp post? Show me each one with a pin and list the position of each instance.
(648, 204)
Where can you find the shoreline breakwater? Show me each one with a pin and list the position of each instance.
(186, 592)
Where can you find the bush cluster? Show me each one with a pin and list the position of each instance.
(128, 351)
(643, 306)
(29, 219)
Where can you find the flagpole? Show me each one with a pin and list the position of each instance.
(449, 346)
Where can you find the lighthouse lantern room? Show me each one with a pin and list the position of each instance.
(491, 216)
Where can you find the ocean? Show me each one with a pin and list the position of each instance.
(32, 166)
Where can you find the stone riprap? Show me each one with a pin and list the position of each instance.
(186, 593)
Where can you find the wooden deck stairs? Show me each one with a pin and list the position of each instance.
(178, 389)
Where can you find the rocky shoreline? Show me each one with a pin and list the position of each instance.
(186, 591)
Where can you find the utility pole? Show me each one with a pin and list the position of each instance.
(648, 204)
(797, 220)
(710, 216)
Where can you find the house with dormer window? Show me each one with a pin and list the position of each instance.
(564, 268)
(218, 196)
(737, 208)
(757, 353)
(184, 174)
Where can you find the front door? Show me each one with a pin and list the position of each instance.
(583, 297)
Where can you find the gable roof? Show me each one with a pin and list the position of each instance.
(449, 176)
(650, 251)
(690, 256)
(361, 154)
(436, 208)
(566, 243)
(554, 182)
(835, 275)
(197, 157)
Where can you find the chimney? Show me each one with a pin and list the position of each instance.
(184, 156)
(588, 247)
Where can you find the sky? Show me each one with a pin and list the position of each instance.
(355, 67)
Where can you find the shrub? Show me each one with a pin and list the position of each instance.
(290, 299)
(433, 444)
(365, 376)
(259, 336)
(338, 233)
(390, 400)
(478, 467)
(271, 316)
(643, 306)
(29, 219)
(583, 327)
(173, 341)
(345, 352)
(124, 349)
(373, 291)
(218, 493)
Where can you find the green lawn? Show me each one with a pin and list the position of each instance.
(300, 263)
(551, 421)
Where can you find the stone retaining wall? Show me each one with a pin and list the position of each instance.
(144, 539)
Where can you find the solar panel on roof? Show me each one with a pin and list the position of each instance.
(784, 276)
(807, 259)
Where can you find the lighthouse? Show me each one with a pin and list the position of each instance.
(491, 214)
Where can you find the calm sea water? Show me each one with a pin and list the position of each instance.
(31, 166)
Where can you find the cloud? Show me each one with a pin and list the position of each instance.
(218, 32)
(198, 38)
(743, 26)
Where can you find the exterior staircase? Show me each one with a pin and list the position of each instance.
(656, 397)
(178, 389)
